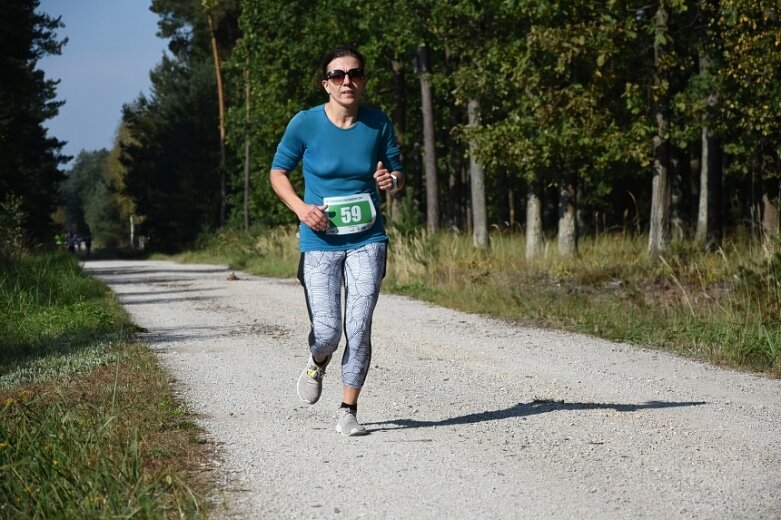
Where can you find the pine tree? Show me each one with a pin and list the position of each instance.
(29, 158)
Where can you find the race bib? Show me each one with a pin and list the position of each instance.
(349, 214)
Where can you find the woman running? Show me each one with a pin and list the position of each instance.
(348, 152)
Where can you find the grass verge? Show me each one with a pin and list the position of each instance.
(722, 307)
(89, 424)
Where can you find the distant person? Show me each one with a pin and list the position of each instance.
(348, 152)
(71, 242)
(87, 239)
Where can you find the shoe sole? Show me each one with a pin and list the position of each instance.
(353, 433)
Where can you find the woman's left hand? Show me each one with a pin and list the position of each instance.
(384, 178)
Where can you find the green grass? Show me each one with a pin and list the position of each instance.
(89, 427)
(51, 316)
(722, 307)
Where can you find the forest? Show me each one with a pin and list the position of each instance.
(557, 119)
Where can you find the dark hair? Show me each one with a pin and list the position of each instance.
(338, 52)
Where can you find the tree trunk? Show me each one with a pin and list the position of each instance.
(132, 233)
(454, 207)
(429, 151)
(429, 155)
(659, 232)
(676, 195)
(582, 219)
(568, 229)
(503, 194)
(511, 209)
(400, 122)
(477, 177)
(703, 210)
(533, 221)
(709, 231)
(246, 148)
(221, 107)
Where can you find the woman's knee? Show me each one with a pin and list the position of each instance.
(326, 333)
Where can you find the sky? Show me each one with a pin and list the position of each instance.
(112, 46)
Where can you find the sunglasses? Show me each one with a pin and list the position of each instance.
(337, 76)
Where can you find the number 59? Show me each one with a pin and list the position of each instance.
(351, 214)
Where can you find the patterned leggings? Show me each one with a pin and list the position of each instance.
(322, 273)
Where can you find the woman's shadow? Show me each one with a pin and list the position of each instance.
(535, 407)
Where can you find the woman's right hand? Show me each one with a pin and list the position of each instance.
(314, 217)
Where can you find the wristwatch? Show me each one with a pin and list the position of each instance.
(395, 181)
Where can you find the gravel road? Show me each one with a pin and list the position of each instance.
(469, 417)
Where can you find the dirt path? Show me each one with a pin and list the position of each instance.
(469, 417)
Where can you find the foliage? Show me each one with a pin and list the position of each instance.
(167, 174)
(282, 72)
(29, 158)
(566, 89)
(557, 94)
(751, 92)
(170, 160)
(79, 187)
(185, 24)
(93, 201)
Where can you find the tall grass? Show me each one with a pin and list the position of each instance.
(87, 424)
(724, 307)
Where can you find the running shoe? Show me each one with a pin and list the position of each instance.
(347, 423)
(310, 383)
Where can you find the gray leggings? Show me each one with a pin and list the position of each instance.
(322, 273)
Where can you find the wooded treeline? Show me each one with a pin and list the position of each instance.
(560, 117)
(29, 158)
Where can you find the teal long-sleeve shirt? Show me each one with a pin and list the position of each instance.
(339, 162)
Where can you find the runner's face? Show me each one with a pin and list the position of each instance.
(350, 91)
